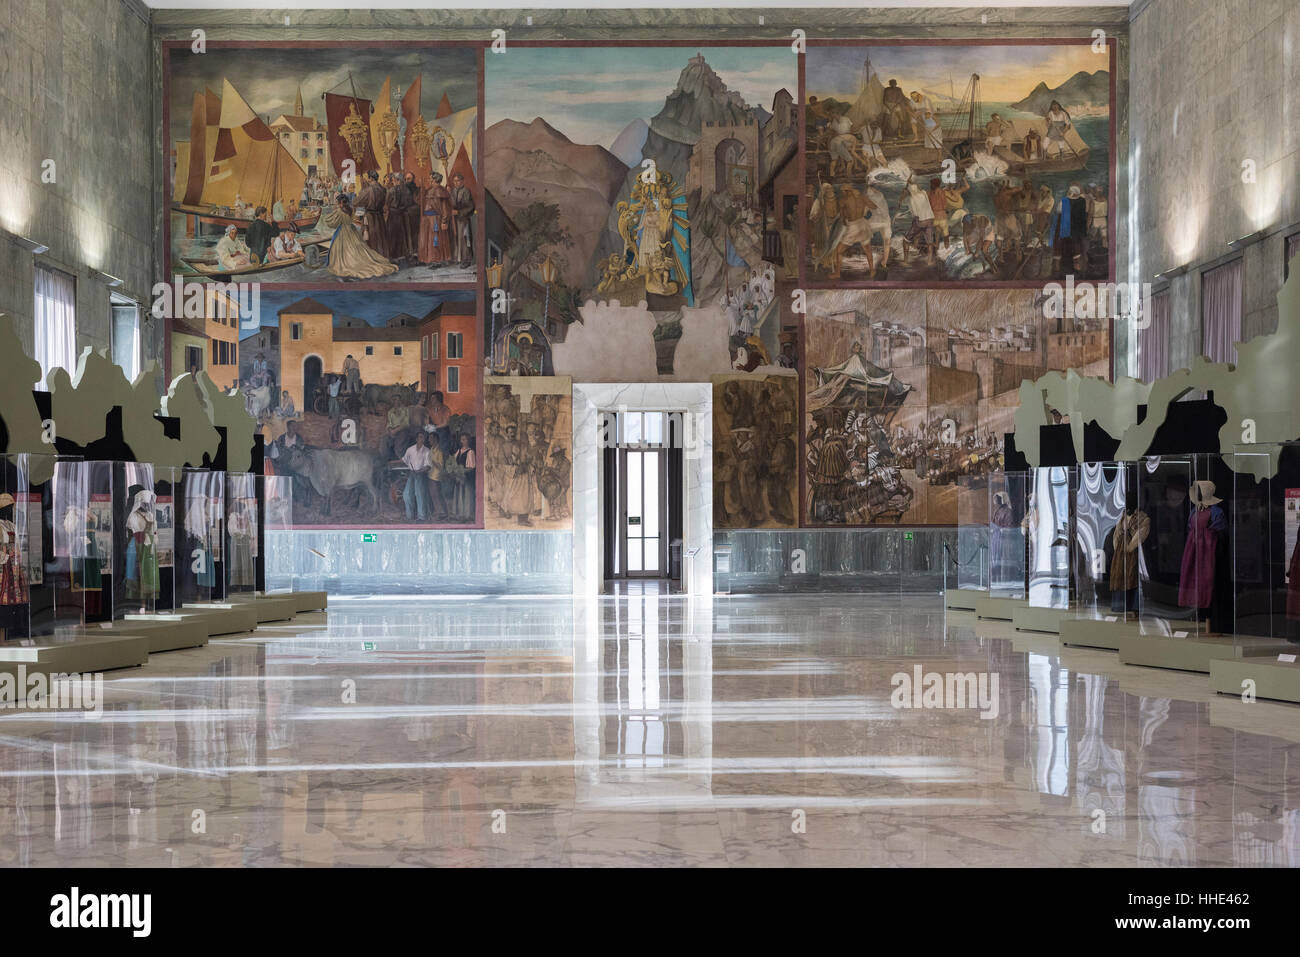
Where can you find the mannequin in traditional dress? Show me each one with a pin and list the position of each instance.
(141, 547)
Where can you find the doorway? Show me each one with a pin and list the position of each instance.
(642, 494)
(312, 369)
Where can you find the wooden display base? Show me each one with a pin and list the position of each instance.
(1274, 680)
(223, 617)
(1192, 653)
(997, 608)
(1046, 620)
(75, 651)
(963, 599)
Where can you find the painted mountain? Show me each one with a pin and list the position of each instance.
(534, 162)
(1085, 92)
(699, 98)
(628, 145)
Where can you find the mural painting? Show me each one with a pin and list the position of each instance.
(368, 403)
(755, 451)
(641, 209)
(908, 394)
(933, 163)
(528, 452)
(324, 164)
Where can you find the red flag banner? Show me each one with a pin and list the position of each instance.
(337, 111)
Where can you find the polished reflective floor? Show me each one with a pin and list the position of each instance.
(647, 729)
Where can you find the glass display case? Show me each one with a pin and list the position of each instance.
(1008, 527)
(1266, 542)
(73, 581)
(136, 584)
(167, 492)
(200, 540)
(1048, 533)
(1185, 582)
(241, 532)
(20, 540)
(972, 558)
(1109, 531)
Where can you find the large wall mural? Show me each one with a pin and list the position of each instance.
(323, 163)
(954, 162)
(850, 243)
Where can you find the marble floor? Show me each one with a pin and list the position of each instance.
(647, 729)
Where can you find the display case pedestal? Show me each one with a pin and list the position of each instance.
(166, 631)
(228, 617)
(1098, 633)
(80, 652)
(1192, 653)
(998, 608)
(963, 599)
(1274, 680)
(268, 608)
(305, 601)
(1046, 620)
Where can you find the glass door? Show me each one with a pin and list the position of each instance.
(645, 543)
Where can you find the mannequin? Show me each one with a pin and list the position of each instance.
(1004, 541)
(241, 546)
(1130, 531)
(141, 547)
(197, 531)
(1199, 586)
(14, 594)
(86, 574)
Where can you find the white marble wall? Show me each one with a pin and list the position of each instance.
(693, 398)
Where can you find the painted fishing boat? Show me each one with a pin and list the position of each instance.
(210, 266)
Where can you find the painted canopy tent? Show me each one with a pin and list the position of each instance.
(857, 385)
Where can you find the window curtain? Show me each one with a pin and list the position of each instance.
(56, 322)
(1221, 312)
(1153, 341)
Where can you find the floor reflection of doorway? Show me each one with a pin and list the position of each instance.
(641, 497)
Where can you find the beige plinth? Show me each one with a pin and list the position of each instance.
(963, 599)
(223, 617)
(997, 608)
(1047, 620)
(78, 651)
(1097, 633)
(1274, 680)
(1192, 653)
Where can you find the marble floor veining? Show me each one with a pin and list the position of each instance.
(648, 730)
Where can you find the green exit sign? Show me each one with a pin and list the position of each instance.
(369, 537)
(367, 646)
(907, 536)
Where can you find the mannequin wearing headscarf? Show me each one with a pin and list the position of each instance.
(1198, 586)
(141, 547)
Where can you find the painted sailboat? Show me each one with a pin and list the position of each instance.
(233, 157)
